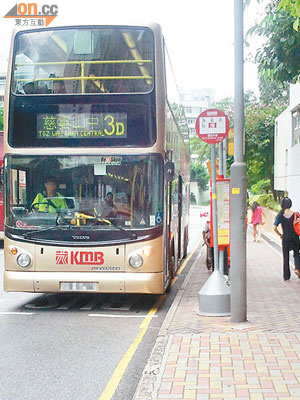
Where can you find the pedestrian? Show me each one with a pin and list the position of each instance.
(290, 240)
(256, 220)
(209, 249)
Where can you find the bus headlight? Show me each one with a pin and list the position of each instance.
(23, 260)
(136, 261)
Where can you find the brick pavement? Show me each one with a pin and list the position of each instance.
(200, 358)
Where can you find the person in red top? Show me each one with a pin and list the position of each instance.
(256, 220)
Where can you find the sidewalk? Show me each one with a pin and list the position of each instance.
(201, 358)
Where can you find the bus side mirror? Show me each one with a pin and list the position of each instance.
(169, 171)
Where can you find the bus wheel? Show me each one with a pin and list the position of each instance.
(171, 266)
(172, 273)
(185, 243)
(169, 287)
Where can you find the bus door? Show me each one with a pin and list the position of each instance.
(169, 233)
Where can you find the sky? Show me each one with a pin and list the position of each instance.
(199, 35)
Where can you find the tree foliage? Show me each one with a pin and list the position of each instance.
(278, 58)
(199, 148)
(259, 126)
(199, 174)
(259, 138)
(291, 7)
(259, 135)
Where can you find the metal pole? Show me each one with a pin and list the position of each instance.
(221, 261)
(221, 172)
(224, 148)
(214, 205)
(238, 182)
(221, 166)
(224, 157)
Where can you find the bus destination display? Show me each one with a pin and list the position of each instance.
(81, 126)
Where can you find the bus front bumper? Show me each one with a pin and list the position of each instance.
(104, 282)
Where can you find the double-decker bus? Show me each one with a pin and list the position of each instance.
(93, 107)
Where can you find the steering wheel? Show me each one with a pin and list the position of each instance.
(32, 207)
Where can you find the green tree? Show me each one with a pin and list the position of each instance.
(291, 7)
(200, 148)
(199, 174)
(225, 105)
(278, 58)
(259, 137)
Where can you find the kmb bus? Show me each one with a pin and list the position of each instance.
(94, 107)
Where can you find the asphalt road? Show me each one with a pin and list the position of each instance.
(79, 347)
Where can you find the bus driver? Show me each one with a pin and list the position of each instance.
(49, 200)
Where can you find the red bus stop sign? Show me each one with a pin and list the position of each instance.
(212, 126)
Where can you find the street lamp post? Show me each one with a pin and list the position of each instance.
(238, 304)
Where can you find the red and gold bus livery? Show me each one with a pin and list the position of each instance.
(96, 167)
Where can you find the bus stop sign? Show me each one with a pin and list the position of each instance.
(212, 126)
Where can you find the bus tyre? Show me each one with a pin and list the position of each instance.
(169, 287)
(185, 244)
(171, 266)
(171, 272)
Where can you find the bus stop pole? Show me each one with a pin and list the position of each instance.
(221, 172)
(214, 205)
(221, 166)
(214, 296)
(238, 301)
(224, 144)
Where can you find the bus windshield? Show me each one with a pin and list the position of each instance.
(94, 193)
(83, 60)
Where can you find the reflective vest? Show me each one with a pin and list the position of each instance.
(49, 204)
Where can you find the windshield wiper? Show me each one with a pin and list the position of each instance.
(132, 235)
(108, 221)
(28, 235)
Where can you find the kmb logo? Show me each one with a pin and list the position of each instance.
(31, 10)
(80, 257)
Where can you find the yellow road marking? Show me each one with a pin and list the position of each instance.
(115, 380)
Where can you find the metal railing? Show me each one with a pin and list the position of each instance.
(145, 75)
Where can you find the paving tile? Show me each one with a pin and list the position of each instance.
(213, 358)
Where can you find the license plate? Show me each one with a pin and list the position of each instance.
(79, 286)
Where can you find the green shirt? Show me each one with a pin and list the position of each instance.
(50, 204)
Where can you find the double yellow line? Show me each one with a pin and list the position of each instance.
(114, 381)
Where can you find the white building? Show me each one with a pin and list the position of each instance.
(195, 101)
(287, 149)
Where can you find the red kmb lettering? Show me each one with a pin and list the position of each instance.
(87, 258)
(74, 255)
